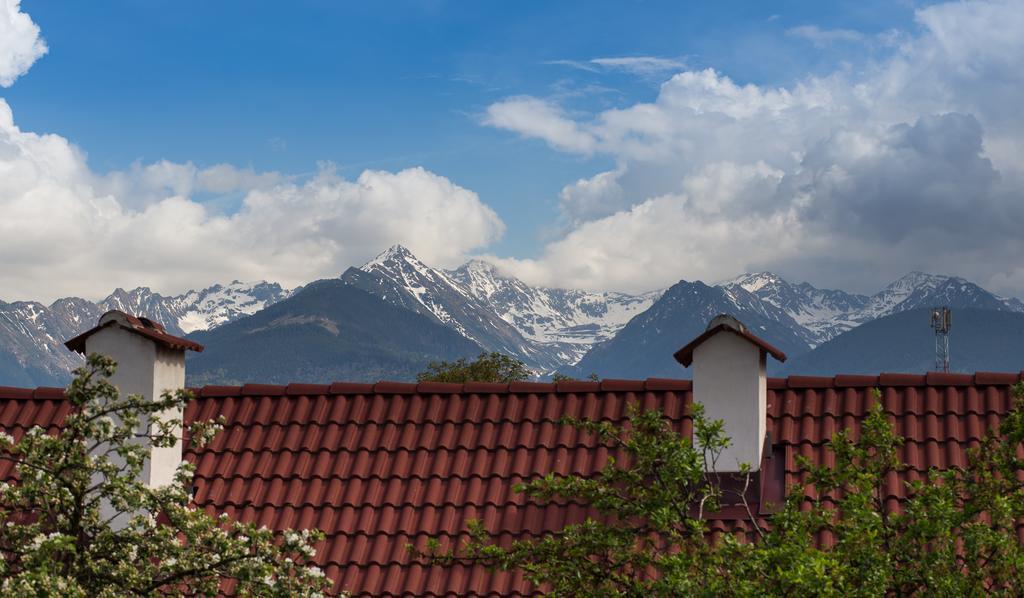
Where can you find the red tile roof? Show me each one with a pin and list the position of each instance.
(379, 466)
(143, 326)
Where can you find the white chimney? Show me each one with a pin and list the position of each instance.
(149, 362)
(729, 381)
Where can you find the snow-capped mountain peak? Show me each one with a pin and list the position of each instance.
(819, 311)
(828, 313)
(754, 282)
(920, 290)
(544, 327)
(220, 304)
(566, 321)
(390, 256)
(433, 289)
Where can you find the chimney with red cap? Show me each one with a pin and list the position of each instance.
(149, 362)
(729, 380)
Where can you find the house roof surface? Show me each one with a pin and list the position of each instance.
(380, 466)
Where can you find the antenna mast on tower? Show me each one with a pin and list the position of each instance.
(942, 321)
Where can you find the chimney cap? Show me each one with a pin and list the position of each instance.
(142, 326)
(725, 323)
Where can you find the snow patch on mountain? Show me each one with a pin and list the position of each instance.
(221, 304)
(35, 333)
(825, 314)
(568, 321)
(547, 328)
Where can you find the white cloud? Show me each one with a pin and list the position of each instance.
(534, 117)
(822, 38)
(144, 184)
(668, 236)
(587, 199)
(20, 43)
(643, 66)
(69, 231)
(850, 179)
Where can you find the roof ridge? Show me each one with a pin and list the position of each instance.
(399, 388)
(341, 505)
(211, 391)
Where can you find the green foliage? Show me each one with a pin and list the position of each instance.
(78, 522)
(488, 367)
(954, 536)
(560, 377)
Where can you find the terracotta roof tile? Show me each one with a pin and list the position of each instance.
(902, 380)
(844, 380)
(577, 386)
(307, 389)
(809, 382)
(622, 385)
(668, 384)
(948, 379)
(9, 393)
(381, 466)
(982, 378)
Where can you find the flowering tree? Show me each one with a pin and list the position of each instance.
(956, 533)
(78, 522)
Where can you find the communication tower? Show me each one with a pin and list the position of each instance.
(942, 321)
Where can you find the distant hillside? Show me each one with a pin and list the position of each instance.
(13, 374)
(644, 347)
(981, 340)
(328, 331)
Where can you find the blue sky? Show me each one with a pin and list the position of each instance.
(389, 85)
(607, 145)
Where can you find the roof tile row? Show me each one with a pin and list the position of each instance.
(380, 466)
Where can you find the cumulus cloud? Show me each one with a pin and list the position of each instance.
(145, 184)
(69, 231)
(850, 179)
(534, 117)
(591, 198)
(20, 42)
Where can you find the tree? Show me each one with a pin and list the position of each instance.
(78, 522)
(560, 377)
(488, 367)
(954, 535)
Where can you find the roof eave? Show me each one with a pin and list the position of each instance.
(685, 355)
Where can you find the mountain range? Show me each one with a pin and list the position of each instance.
(981, 340)
(546, 328)
(32, 334)
(574, 332)
(329, 331)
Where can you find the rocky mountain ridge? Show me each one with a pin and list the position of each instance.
(550, 329)
(546, 328)
(32, 334)
(826, 313)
